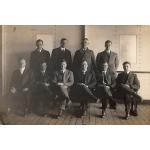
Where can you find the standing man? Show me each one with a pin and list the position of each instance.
(38, 56)
(59, 54)
(62, 80)
(105, 84)
(85, 81)
(128, 84)
(108, 56)
(84, 54)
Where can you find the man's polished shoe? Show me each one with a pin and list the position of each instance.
(135, 113)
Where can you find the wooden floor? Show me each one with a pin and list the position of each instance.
(113, 117)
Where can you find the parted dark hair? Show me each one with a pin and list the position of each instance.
(62, 60)
(108, 41)
(39, 40)
(126, 62)
(63, 39)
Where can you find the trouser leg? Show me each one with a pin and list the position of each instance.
(89, 93)
(84, 105)
(112, 101)
(130, 91)
(104, 103)
(127, 102)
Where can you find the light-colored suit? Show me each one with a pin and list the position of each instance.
(112, 60)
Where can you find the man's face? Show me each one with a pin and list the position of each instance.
(22, 63)
(105, 67)
(85, 43)
(39, 45)
(43, 66)
(126, 67)
(64, 43)
(108, 46)
(84, 66)
(63, 65)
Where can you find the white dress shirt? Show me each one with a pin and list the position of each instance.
(22, 70)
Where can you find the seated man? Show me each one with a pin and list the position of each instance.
(105, 83)
(128, 84)
(85, 81)
(62, 80)
(20, 86)
(43, 92)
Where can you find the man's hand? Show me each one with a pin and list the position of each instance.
(108, 87)
(82, 84)
(13, 90)
(125, 85)
(46, 84)
(104, 83)
(25, 89)
(60, 84)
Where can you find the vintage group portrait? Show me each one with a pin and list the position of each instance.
(75, 75)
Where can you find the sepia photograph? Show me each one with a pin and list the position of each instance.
(75, 75)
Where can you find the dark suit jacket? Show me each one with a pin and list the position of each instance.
(110, 78)
(81, 55)
(112, 61)
(57, 55)
(21, 81)
(68, 78)
(37, 58)
(132, 80)
(90, 79)
(42, 78)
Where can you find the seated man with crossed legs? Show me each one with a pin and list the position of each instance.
(62, 80)
(85, 81)
(128, 84)
(105, 84)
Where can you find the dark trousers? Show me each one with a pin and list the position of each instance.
(84, 94)
(19, 101)
(42, 97)
(130, 99)
(106, 96)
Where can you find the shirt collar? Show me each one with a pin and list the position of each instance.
(62, 48)
(22, 70)
(63, 71)
(84, 49)
(108, 51)
(39, 50)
